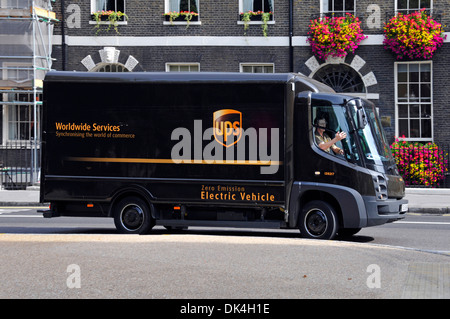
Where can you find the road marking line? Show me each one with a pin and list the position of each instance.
(427, 223)
(22, 216)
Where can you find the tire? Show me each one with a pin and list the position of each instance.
(132, 215)
(318, 220)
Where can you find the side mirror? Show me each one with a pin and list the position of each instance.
(361, 117)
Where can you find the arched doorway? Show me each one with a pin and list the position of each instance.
(110, 67)
(342, 78)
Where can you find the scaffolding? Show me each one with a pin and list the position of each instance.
(26, 30)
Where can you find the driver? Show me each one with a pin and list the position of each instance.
(324, 142)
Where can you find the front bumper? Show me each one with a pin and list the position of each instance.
(384, 211)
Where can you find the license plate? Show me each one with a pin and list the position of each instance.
(404, 208)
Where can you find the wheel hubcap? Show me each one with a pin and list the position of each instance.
(316, 222)
(132, 217)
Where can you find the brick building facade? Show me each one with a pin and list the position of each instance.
(217, 41)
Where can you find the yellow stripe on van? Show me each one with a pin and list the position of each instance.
(170, 161)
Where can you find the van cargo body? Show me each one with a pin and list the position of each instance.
(214, 149)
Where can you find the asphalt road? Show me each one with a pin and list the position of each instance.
(86, 258)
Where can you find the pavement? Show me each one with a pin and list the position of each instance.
(420, 200)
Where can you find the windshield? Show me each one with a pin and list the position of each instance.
(365, 147)
(376, 151)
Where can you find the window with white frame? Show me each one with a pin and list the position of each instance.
(414, 100)
(20, 117)
(183, 5)
(338, 7)
(182, 67)
(108, 5)
(256, 5)
(18, 72)
(257, 67)
(408, 6)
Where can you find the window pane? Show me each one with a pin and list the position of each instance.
(414, 92)
(349, 5)
(403, 111)
(258, 69)
(194, 68)
(426, 128)
(403, 128)
(120, 6)
(414, 110)
(425, 72)
(402, 73)
(23, 116)
(247, 68)
(257, 5)
(414, 4)
(184, 68)
(425, 4)
(402, 4)
(24, 131)
(415, 128)
(268, 69)
(425, 110)
(425, 92)
(402, 92)
(413, 73)
(338, 5)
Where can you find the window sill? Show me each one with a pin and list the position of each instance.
(107, 22)
(182, 23)
(254, 22)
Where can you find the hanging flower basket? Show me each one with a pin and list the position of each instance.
(413, 36)
(335, 36)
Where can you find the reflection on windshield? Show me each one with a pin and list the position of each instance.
(371, 147)
(374, 143)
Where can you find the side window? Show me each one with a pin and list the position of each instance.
(325, 127)
(328, 120)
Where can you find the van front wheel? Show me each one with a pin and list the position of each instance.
(318, 220)
(132, 215)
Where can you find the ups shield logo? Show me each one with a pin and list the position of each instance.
(227, 127)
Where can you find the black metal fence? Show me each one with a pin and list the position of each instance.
(423, 165)
(19, 164)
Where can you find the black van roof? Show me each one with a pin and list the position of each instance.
(185, 77)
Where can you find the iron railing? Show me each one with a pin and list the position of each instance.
(19, 164)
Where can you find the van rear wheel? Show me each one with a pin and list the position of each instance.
(132, 215)
(318, 220)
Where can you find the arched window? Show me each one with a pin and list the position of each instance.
(110, 67)
(340, 77)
